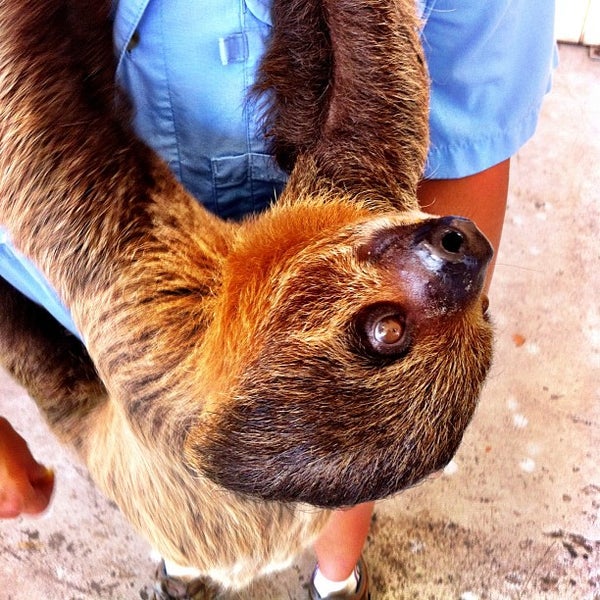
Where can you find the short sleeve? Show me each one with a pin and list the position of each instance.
(490, 65)
(22, 274)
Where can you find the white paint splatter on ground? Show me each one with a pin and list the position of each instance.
(512, 404)
(518, 220)
(527, 465)
(591, 330)
(520, 421)
(451, 468)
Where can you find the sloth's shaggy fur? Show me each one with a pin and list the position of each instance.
(228, 394)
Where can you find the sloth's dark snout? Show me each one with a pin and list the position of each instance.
(452, 240)
(440, 262)
(454, 255)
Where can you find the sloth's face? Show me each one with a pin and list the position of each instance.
(364, 347)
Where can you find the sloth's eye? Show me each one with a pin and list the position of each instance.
(389, 330)
(382, 330)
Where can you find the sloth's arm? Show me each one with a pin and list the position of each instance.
(130, 254)
(349, 89)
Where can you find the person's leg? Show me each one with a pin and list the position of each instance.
(338, 551)
(482, 198)
(340, 544)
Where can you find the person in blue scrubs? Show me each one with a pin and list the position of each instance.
(187, 67)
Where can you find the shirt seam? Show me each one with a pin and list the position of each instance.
(245, 110)
(176, 135)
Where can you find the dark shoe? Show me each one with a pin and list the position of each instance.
(362, 588)
(174, 588)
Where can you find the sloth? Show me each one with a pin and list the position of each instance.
(235, 382)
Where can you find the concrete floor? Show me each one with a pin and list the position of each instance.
(517, 514)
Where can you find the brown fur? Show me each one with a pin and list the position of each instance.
(225, 388)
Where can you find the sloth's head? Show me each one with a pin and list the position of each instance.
(362, 344)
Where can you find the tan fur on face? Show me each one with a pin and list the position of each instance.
(226, 387)
(304, 369)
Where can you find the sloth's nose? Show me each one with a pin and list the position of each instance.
(440, 262)
(455, 254)
(453, 244)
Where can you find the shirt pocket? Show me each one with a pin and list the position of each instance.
(246, 184)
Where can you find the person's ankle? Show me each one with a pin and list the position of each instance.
(325, 587)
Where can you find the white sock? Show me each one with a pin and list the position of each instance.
(325, 586)
(185, 573)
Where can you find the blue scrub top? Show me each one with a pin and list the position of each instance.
(187, 65)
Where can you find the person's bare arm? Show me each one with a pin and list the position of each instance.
(25, 485)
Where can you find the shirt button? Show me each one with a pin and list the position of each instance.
(134, 41)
